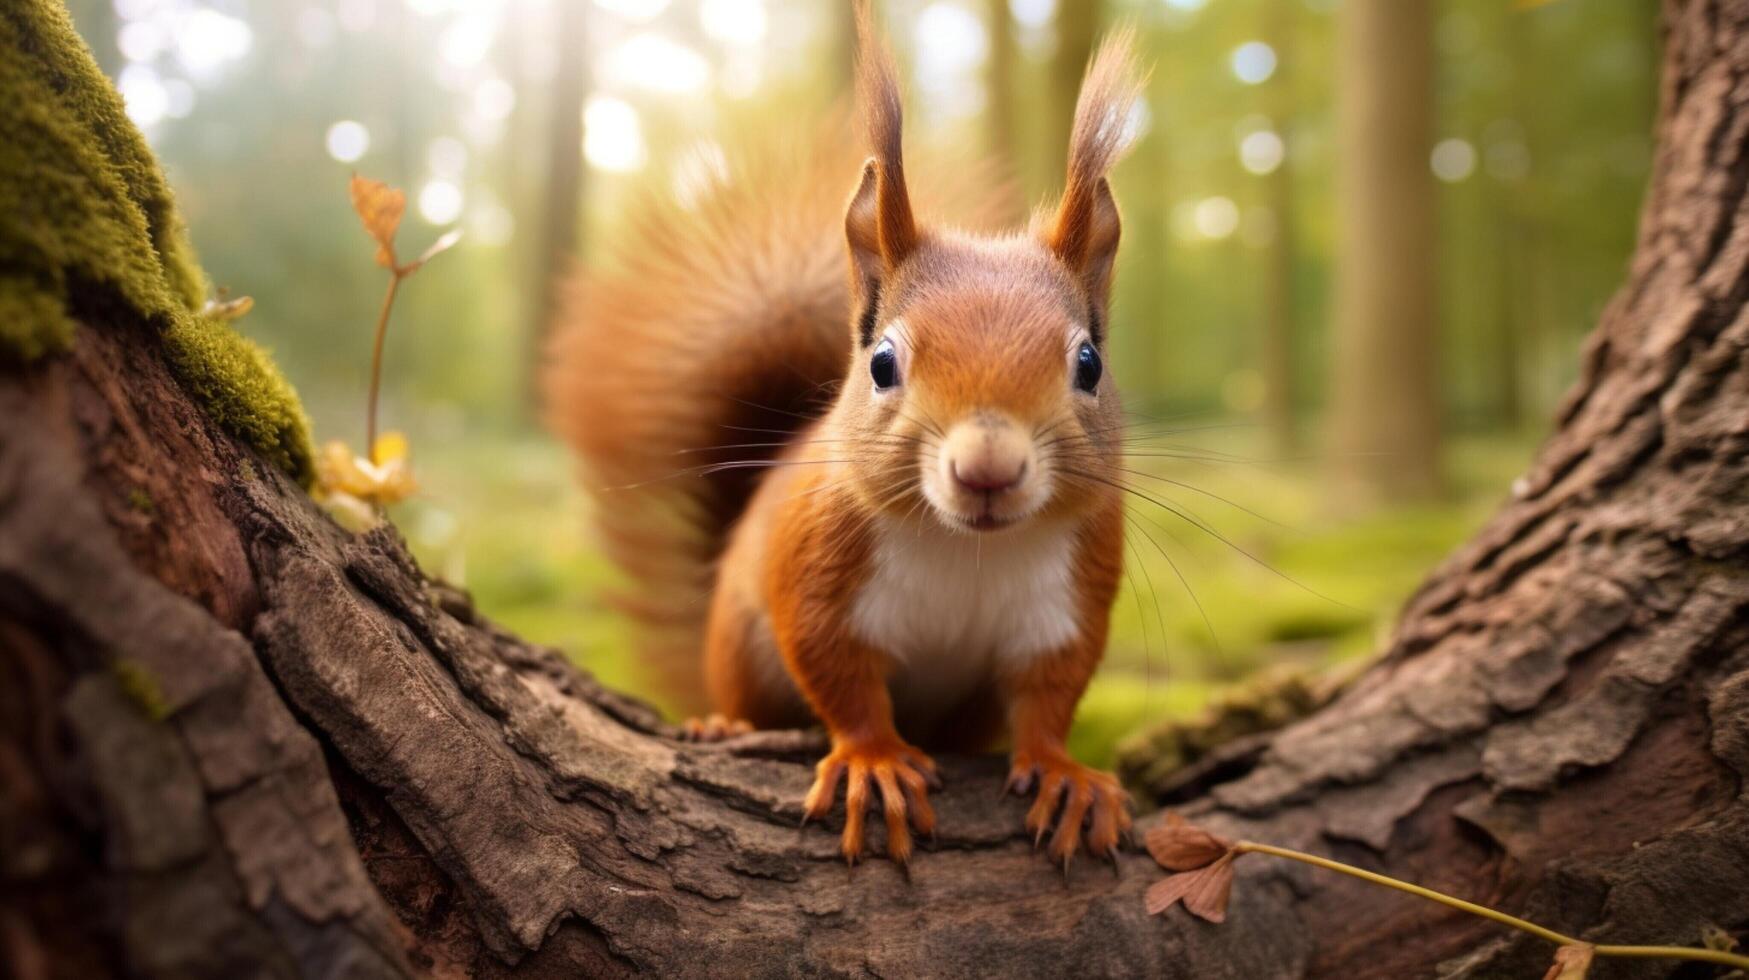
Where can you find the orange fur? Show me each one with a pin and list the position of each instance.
(845, 582)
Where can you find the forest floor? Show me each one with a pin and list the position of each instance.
(1297, 580)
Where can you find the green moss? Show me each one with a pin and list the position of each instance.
(33, 321)
(141, 501)
(1272, 700)
(242, 390)
(141, 688)
(85, 204)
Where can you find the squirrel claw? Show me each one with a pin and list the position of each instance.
(714, 728)
(896, 772)
(1082, 805)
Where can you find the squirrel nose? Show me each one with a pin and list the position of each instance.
(988, 476)
(987, 455)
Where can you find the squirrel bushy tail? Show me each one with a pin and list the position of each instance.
(708, 331)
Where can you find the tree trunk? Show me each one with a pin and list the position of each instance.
(1077, 27)
(999, 101)
(564, 177)
(1385, 412)
(237, 740)
(1279, 347)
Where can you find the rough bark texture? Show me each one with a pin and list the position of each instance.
(235, 740)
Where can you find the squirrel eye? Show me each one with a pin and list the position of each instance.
(884, 365)
(1087, 368)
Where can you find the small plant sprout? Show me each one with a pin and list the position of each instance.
(223, 307)
(356, 488)
(1201, 866)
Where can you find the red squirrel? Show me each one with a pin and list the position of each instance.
(905, 526)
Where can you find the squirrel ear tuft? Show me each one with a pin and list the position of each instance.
(1084, 233)
(867, 266)
(877, 95)
(878, 223)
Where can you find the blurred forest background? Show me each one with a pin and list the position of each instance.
(1363, 240)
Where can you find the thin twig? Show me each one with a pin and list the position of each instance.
(376, 366)
(1522, 925)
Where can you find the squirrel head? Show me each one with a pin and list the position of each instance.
(977, 380)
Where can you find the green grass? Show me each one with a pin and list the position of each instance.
(504, 518)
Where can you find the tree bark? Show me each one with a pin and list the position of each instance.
(236, 740)
(1384, 375)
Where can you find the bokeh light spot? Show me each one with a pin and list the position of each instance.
(143, 94)
(633, 10)
(613, 139)
(1216, 217)
(494, 98)
(1261, 152)
(733, 21)
(347, 140)
(1033, 13)
(440, 202)
(651, 61)
(1253, 62)
(1453, 160)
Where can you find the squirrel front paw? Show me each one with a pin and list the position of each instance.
(902, 772)
(1088, 797)
(714, 728)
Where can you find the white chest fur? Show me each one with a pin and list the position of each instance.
(949, 608)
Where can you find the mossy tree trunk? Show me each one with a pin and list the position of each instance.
(236, 740)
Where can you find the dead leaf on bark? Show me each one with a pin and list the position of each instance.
(1180, 846)
(1203, 863)
(1204, 891)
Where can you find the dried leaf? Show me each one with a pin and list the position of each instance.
(1571, 963)
(1166, 892)
(386, 480)
(1204, 891)
(1179, 846)
(222, 307)
(337, 471)
(1207, 898)
(395, 482)
(443, 244)
(380, 207)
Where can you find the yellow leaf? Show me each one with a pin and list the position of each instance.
(341, 473)
(337, 471)
(391, 445)
(380, 207)
(394, 482)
